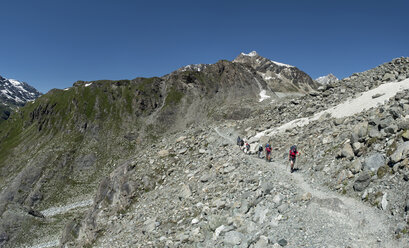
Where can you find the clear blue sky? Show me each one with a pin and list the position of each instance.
(51, 44)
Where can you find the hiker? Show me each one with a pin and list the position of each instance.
(268, 152)
(292, 155)
(241, 144)
(238, 141)
(247, 147)
(260, 150)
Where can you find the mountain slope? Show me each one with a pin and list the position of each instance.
(198, 189)
(56, 150)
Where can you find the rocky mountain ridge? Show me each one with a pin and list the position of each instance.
(56, 150)
(164, 171)
(352, 179)
(281, 78)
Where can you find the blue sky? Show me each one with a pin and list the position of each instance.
(52, 44)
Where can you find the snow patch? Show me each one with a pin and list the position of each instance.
(86, 85)
(281, 64)
(263, 96)
(348, 108)
(64, 209)
(14, 82)
(252, 54)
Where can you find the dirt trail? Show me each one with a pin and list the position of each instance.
(329, 217)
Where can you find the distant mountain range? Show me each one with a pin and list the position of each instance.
(14, 93)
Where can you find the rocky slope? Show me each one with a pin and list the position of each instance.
(197, 189)
(55, 151)
(153, 163)
(14, 94)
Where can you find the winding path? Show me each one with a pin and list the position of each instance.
(329, 217)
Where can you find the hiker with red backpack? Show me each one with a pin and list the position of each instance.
(292, 155)
(268, 152)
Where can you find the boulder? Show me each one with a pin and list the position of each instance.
(347, 151)
(388, 77)
(357, 148)
(262, 242)
(405, 135)
(392, 129)
(282, 242)
(355, 166)
(185, 191)
(362, 181)
(400, 153)
(359, 132)
(374, 161)
(373, 132)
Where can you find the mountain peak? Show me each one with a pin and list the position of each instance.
(330, 78)
(16, 93)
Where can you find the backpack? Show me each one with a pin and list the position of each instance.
(260, 148)
(293, 151)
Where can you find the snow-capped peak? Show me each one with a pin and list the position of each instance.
(327, 79)
(14, 82)
(252, 54)
(194, 67)
(14, 92)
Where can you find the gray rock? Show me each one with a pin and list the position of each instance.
(392, 129)
(405, 135)
(266, 187)
(282, 242)
(260, 214)
(282, 208)
(357, 148)
(216, 221)
(359, 132)
(384, 202)
(400, 153)
(388, 77)
(319, 167)
(262, 242)
(182, 151)
(206, 177)
(374, 161)
(339, 121)
(185, 191)
(347, 151)
(233, 238)
(362, 181)
(374, 132)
